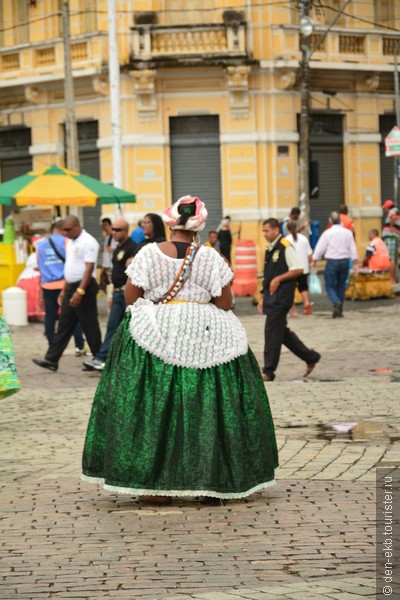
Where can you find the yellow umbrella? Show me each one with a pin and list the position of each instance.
(57, 186)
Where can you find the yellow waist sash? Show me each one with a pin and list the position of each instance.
(186, 301)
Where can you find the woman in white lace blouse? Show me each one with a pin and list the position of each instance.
(181, 409)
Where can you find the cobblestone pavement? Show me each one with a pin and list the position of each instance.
(310, 537)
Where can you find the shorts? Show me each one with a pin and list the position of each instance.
(391, 242)
(302, 283)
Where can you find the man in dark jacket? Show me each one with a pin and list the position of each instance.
(125, 249)
(281, 270)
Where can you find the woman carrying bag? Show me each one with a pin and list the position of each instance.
(181, 409)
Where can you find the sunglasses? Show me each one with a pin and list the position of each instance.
(67, 228)
(117, 229)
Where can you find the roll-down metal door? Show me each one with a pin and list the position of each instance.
(89, 164)
(15, 159)
(196, 163)
(330, 182)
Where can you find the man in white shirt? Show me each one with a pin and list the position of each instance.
(337, 246)
(78, 298)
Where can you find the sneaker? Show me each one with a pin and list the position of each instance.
(94, 365)
(81, 351)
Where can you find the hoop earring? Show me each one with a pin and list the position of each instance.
(197, 238)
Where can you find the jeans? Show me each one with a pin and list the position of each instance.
(336, 273)
(50, 299)
(115, 317)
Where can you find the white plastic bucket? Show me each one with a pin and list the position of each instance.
(15, 306)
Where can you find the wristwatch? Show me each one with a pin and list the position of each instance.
(81, 291)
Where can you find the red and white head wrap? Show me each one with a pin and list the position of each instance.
(196, 222)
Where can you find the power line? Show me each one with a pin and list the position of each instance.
(323, 36)
(165, 11)
(288, 3)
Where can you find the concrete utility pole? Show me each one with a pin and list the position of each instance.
(304, 150)
(113, 63)
(71, 133)
(306, 29)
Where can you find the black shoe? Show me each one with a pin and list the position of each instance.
(337, 311)
(210, 501)
(45, 364)
(266, 377)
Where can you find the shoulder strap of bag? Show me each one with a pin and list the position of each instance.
(182, 276)
(60, 256)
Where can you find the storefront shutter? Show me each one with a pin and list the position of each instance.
(196, 164)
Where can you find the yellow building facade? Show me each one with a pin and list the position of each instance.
(210, 102)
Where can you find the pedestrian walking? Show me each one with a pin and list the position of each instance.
(391, 236)
(125, 249)
(180, 409)
(154, 230)
(337, 246)
(294, 215)
(79, 296)
(304, 251)
(225, 238)
(137, 234)
(107, 250)
(50, 255)
(345, 219)
(212, 239)
(281, 270)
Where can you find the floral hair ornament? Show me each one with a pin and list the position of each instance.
(196, 222)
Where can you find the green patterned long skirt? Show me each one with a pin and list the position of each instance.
(9, 382)
(161, 429)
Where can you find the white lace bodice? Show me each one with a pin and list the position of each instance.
(193, 333)
(153, 271)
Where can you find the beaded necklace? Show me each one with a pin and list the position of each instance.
(182, 275)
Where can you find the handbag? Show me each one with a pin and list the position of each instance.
(314, 284)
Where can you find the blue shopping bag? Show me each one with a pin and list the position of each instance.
(314, 285)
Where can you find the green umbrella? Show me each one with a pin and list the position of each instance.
(56, 186)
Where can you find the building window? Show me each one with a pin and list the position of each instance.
(322, 13)
(384, 12)
(333, 7)
(88, 16)
(21, 21)
(185, 12)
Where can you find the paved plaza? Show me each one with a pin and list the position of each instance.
(311, 537)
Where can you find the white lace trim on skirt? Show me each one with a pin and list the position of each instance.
(177, 493)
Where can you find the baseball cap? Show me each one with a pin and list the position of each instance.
(388, 204)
